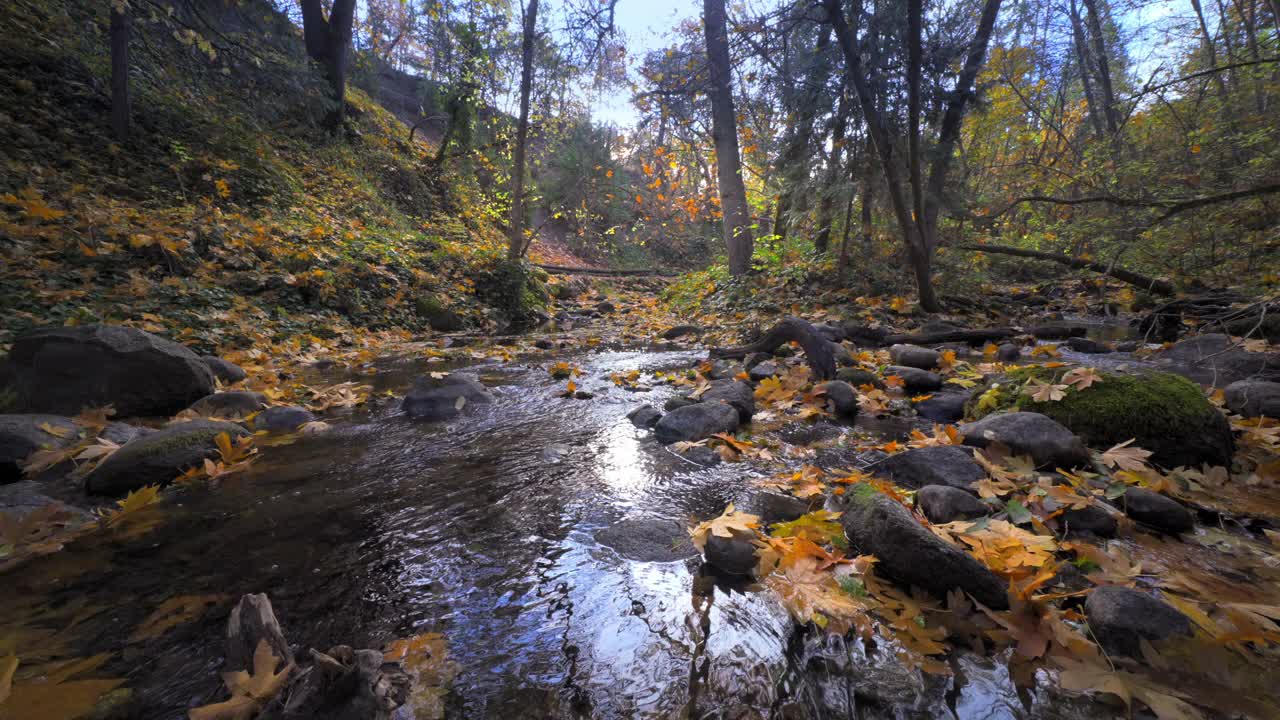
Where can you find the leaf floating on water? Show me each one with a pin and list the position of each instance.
(249, 693)
(174, 612)
(427, 657)
(53, 696)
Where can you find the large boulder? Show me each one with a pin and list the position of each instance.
(1215, 359)
(1121, 618)
(736, 393)
(1161, 412)
(937, 465)
(915, 356)
(909, 553)
(158, 458)
(1254, 398)
(942, 504)
(65, 369)
(21, 435)
(444, 398)
(695, 422)
(1028, 433)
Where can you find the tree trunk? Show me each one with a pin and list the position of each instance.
(724, 129)
(1109, 110)
(1082, 59)
(120, 22)
(516, 241)
(326, 41)
(827, 204)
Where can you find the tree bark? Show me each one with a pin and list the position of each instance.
(1109, 110)
(120, 26)
(326, 41)
(826, 205)
(516, 241)
(1155, 285)
(724, 129)
(1082, 59)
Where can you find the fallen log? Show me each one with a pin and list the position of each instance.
(865, 336)
(564, 270)
(1155, 285)
(817, 348)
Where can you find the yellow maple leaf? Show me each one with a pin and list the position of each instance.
(729, 522)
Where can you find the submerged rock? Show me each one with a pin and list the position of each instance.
(1160, 512)
(1008, 352)
(432, 399)
(1028, 433)
(648, 540)
(158, 458)
(943, 503)
(938, 465)
(22, 435)
(695, 422)
(909, 553)
(680, 331)
(1122, 617)
(1057, 331)
(66, 369)
(1254, 398)
(224, 370)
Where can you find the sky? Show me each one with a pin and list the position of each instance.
(648, 25)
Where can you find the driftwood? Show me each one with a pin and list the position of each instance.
(1155, 285)
(251, 620)
(818, 350)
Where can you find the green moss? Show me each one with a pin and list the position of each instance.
(1162, 412)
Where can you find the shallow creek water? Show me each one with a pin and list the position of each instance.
(484, 529)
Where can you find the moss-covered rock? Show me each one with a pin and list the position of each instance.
(1164, 413)
(158, 458)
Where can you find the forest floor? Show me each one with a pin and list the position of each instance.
(781, 487)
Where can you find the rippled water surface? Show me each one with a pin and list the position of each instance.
(484, 529)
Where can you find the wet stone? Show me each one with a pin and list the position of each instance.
(733, 555)
(695, 422)
(1091, 519)
(1160, 512)
(1254, 398)
(645, 416)
(914, 356)
(1122, 617)
(224, 370)
(1026, 433)
(938, 465)
(841, 398)
(282, 419)
(943, 504)
(648, 540)
(915, 380)
(944, 407)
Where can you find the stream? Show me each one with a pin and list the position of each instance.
(485, 529)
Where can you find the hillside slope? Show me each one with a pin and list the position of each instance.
(230, 215)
